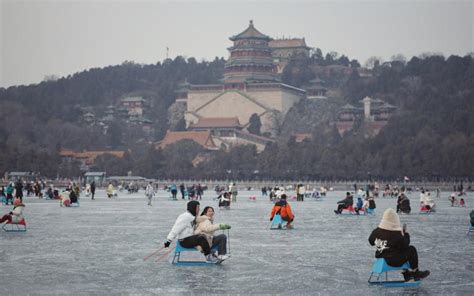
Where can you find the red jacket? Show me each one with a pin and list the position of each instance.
(283, 208)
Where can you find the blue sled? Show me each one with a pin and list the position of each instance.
(177, 254)
(470, 230)
(380, 267)
(277, 223)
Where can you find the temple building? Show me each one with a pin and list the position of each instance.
(374, 114)
(283, 50)
(250, 85)
(316, 89)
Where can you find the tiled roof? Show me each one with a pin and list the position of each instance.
(203, 138)
(285, 43)
(250, 32)
(221, 122)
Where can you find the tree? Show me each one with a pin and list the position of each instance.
(255, 124)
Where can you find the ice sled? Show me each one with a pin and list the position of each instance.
(425, 211)
(15, 227)
(277, 223)
(470, 230)
(349, 211)
(75, 204)
(380, 267)
(177, 254)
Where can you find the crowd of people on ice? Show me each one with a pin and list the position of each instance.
(191, 229)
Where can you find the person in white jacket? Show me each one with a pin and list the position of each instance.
(149, 192)
(426, 201)
(14, 216)
(183, 230)
(205, 226)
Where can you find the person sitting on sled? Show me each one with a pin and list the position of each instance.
(472, 217)
(16, 215)
(283, 208)
(393, 244)
(403, 204)
(346, 202)
(183, 230)
(359, 206)
(224, 200)
(205, 226)
(426, 202)
(453, 200)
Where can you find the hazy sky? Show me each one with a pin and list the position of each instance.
(41, 38)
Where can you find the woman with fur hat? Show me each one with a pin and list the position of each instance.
(183, 229)
(393, 244)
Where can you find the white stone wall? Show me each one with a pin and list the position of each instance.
(233, 103)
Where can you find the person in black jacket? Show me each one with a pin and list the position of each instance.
(342, 204)
(403, 204)
(393, 244)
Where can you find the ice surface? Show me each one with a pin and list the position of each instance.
(98, 249)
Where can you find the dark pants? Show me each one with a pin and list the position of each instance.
(173, 193)
(410, 255)
(196, 240)
(341, 207)
(9, 198)
(220, 241)
(6, 218)
(182, 194)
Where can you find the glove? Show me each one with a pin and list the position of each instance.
(167, 243)
(11, 213)
(224, 226)
(271, 219)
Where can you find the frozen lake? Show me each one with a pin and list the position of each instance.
(98, 249)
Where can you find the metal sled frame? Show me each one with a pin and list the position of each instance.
(177, 254)
(15, 227)
(380, 267)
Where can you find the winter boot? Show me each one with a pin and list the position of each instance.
(211, 258)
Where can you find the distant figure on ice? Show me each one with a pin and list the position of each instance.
(283, 208)
(16, 215)
(93, 190)
(19, 190)
(233, 191)
(403, 204)
(393, 244)
(359, 205)
(183, 229)
(9, 191)
(181, 189)
(110, 190)
(174, 191)
(224, 200)
(343, 204)
(462, 203)
(149, 192)
(453, 200)
(206, 227)
(427, 202)
(472, 217)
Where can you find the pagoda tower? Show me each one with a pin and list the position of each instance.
(250, 59)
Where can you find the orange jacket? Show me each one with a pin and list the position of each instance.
(283, 208)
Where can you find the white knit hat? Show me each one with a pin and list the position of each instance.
(390, 220)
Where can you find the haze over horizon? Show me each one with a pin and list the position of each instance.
(41, 38)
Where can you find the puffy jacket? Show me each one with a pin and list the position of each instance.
(17, 213)
(183, 227)
(9, 189)
(204, 225)
(283, 208)
(390, 245)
